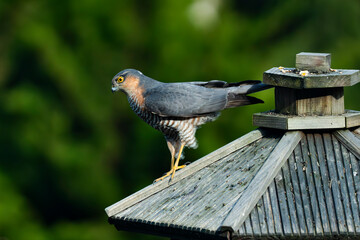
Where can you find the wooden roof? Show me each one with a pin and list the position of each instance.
(264, 184)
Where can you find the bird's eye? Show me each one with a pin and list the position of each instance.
(120, 79)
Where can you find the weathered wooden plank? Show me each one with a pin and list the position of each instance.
(313, 62)
(242, 230)
(356, 174)
(301, 167)
(309, 173)
(269, 213)
(290, 122)
(275, 209)
(352, 118)
(343, 185)
(297, 195)
(195, 166)
(316, 122)
(290, 199)
(352, 177)
(334, 183)
(255, 222)
(285, 216)
(270, 120)
(262, 217)
(351, 188)
(326, 183)
(261, 181)
(248, 227)
(319, 196)
(349, 140)
(291, 79)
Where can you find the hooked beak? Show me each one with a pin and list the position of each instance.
(114, 89)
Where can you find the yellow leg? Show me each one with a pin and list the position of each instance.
(173, 167)
(176, 166)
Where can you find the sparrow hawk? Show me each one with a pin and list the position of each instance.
(178, 109)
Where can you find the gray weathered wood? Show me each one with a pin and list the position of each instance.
(343, 185)
(334, 183)
(356, 174)
(319, 197)
(286, 122)
(314, 200)
(262, 217)
(340, 78)
(290, 199)
(301, 167)
(351, 188)
(313, 62)
(285, 216)
(325, 179)
(269, 213)
(255, 222)
(261, 181)
(189, 170)
(248, 227)
(275, 209)
(352, 174)
(349, 140)
(297, 195)
(352, 118)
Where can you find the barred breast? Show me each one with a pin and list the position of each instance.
(174, 128)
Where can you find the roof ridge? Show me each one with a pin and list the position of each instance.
(256, 188)
(350, 141)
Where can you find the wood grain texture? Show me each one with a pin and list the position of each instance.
(313, 62)
(261, 181)
(189, 170)
(340, 78)
(291, 122)
(325, 179)
(349, 140)
(352, 118)
(319, 101)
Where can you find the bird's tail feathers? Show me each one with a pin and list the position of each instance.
(235, 100)
(249, 87)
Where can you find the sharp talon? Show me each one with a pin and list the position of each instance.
(187, 163)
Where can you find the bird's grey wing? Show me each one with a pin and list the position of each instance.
(184, 100)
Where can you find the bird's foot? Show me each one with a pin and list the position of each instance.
(171, 172)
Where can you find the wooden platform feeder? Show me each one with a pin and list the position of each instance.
(271, 183)
(310, 96)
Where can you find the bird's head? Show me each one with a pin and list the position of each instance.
(126, 80)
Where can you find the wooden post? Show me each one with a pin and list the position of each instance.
(314, 101)
(310, 95)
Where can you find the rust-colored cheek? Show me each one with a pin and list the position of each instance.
(132, 86)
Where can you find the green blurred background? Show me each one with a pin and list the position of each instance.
(69, 147)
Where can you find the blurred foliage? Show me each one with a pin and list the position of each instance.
(69, 147)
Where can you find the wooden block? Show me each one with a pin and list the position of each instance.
(313, 62)
(270, 120)
(291, 122)
(316, 122)
(319, 101)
